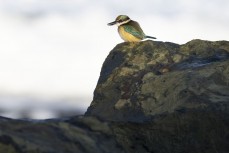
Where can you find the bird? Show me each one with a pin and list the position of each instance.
(129, 30)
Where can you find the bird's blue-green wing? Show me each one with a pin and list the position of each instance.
(135, 30)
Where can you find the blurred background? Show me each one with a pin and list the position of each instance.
(51, 51)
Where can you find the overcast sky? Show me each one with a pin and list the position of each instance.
(55, 48)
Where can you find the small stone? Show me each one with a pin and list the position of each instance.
(122, 103)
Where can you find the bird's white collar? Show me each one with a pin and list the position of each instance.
(124, 22)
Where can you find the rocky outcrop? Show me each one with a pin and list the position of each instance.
(141, 81)
(151, 97)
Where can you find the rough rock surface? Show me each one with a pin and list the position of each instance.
(151, 97)
(74, 135)
(140, 81)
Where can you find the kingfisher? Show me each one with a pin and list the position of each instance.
(129, 30)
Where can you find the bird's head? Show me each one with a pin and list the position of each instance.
(121, 19)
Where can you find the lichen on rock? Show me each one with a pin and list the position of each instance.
(154, 78)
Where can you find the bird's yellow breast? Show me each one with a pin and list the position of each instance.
(127, 36)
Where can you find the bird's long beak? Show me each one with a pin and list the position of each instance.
(112, 23)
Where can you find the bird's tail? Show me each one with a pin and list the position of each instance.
(151, 37)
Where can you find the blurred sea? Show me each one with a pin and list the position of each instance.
(41, 108)
(44, 68)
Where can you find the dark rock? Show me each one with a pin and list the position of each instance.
(156, 78)
(78, 134)
(151, 97)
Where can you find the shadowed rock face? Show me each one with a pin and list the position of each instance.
(151, 97)
(78, 134)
